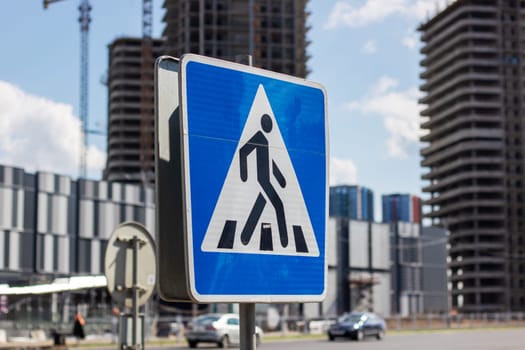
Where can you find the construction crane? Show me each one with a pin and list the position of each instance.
(146, 94)
(84, 21)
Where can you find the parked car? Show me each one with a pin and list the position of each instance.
(222, 329)
(357, 326)
(319, 325)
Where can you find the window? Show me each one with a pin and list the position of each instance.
(233, 321)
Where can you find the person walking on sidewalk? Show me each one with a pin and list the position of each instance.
(78, 327)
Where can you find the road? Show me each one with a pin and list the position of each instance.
(504, 339)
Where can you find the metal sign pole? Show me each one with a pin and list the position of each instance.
(130, 283)
(247, 310)
(247, 326)
(135, 302)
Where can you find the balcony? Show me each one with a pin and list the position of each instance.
(113, 152)
(451, 69)
(454, 108)
(447, 127)
(453, 151)
(470, 218)
(459, 51)
(481, 289)
(446, 52)
(437, 27)
(126, 46)
(115, 95)
(476, 260)
(462, 134)
(464, 94)
(467, 190)
(121, 140)
(123, 128)
(125, 105)
(129, 174)
(451, 209)
(117, 114)
(438, 172)
(475, 247)
(459, 26)
(125, 59)
(122, 163)
(460, 176)
(117, 82)
(471, 232)
(459, 79)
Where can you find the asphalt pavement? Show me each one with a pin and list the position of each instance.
(483, 339)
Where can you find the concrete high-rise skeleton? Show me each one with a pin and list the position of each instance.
(474, 70)
(273, 32)
(125, 127)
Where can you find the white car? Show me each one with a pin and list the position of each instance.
(319, 326)
(221, 329)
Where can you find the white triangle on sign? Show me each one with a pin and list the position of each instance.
(253, 200)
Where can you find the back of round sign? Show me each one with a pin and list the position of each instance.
(119, 265)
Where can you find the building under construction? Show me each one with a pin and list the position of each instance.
(272, 32)
(473, 80)
(130, 149)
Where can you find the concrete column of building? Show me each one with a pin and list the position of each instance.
(201, 27)
(343, 271)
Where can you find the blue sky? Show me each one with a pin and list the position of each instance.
(365, 52)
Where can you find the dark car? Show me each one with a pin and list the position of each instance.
(357, 326)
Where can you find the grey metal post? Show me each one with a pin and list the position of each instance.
(251, 32)
(284, 324)
(135, 300)
(247, 326)
(247, 310)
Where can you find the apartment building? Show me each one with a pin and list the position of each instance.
(473, 72)
(130, 140)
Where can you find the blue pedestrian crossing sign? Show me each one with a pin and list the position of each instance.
(255, 154)
(261, 231)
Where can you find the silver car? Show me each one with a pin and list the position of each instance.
(221, 329)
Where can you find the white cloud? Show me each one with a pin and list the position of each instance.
(95, 159)
(342, 172)
(40, 134)
(369, 47)
(384, 84)
(346, 15)
(400, 113)
(410, 41)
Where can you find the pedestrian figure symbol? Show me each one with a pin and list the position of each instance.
(259, 144)
(268, 215)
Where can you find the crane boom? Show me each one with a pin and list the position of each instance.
(147, 18)
(84, 21)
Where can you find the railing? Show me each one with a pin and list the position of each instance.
(156, 326)
(459, 321)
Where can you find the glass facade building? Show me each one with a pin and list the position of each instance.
(352, 202)
(401, 208)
